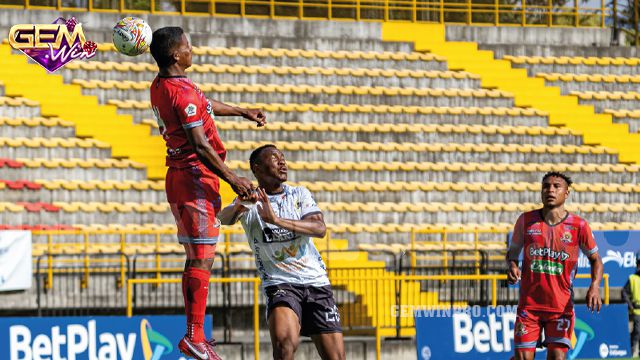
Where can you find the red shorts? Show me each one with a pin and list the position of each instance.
(193, 194)
(558, 329)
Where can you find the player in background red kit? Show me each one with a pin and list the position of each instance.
(195, 157)
(552, 239)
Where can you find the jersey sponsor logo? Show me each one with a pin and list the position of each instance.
(191, 110)
(534, 232)
(548, 253)
(290, 251)
(276, 234)
(547, 267)
(566, 237)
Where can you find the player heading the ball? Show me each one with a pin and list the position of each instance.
(195, 157)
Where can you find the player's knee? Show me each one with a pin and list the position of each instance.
(284, 348)
(204, 264)
(334, 351)
(338, 355)
(556, 353)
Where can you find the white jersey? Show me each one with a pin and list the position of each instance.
(283, 256)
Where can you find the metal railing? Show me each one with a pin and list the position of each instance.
(488, 12)
(152, 245)
(375, 312)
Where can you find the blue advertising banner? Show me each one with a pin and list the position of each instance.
(487, 333)
(617, 249)
(93, 338)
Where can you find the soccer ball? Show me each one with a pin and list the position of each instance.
(132, 36)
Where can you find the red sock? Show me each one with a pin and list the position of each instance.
(195, 287)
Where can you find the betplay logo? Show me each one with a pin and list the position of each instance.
(84, 341)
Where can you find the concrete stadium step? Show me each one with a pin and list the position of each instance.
(265, 58)
(388, 115)
(105, 213)
(418, 79)
(72, 169)
(17, 107)
(533, 69)
(506, 213)
(632, 121)
(601, 105)
(82, 191)
(568, 86)
(437, 152)
(36, 127)
(449, 171)
(154, 191)
(559, 50)
(53, 148)
(331, 95)
(393, 132)
(475, 192)
(146, 191)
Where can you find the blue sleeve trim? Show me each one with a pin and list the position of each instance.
(590, 252)
(191, 125)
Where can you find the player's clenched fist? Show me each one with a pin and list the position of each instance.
(255, 115)
(513, 274)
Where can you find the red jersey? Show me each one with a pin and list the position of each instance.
(550, 259)
(178, 105)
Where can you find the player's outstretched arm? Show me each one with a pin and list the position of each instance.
(311, 225)
(198, 139)
(594, 302)
(230, 214)
(222, 109)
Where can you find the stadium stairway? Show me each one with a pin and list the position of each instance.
(353, 271)
(91, 119)
(528, 92)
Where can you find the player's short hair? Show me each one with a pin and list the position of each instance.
(254, 158)
(566, 178)
(164, 40)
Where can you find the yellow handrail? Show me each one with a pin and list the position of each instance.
(434, 11)
(256, 298)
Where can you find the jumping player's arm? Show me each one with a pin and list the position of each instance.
(198, 139)
(222, 109)
(590, 250)
(311, 224)
(186, 107)
(513, 253)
